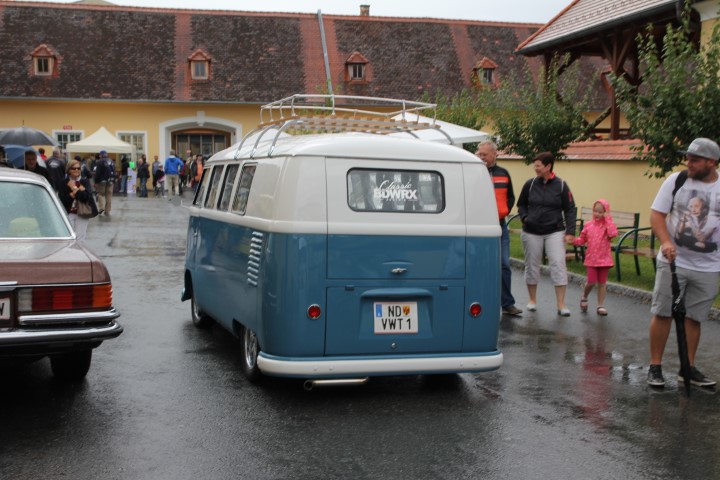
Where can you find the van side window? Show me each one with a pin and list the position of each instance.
(197, 200)
(395, 191)
(226, 194)
(243, 191)
(214, 187)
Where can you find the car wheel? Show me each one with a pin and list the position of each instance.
(250, 350)
(72, 366)
(200, 319)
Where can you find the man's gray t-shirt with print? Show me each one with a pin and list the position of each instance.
(693, 224)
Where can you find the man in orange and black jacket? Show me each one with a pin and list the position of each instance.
(505, 198)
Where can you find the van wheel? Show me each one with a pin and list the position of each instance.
(200, 320)
(72, 366)
(250, 350)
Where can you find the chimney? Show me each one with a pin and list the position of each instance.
(364, 10)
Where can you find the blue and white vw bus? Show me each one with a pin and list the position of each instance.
(334, 257)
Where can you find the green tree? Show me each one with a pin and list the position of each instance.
(678, 98)
(528, 116)
(544, 116)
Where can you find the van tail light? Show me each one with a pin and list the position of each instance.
(56, 299)
(475, 309)
(314, 311)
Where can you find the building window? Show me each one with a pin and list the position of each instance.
(488, 75)
(137, 139)
(65, 137)
(484, 73)
(44, 61)
(199, 70)
(356, 71)
(356, 68)
(199, 65)
(43, 66)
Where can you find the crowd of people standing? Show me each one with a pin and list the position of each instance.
(91, 182)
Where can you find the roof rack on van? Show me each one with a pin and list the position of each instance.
(321, 113)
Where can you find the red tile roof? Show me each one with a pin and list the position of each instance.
(596, 150)
(141, 54)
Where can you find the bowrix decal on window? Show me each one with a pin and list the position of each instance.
(395, 191)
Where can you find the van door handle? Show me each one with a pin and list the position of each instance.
(398, 271)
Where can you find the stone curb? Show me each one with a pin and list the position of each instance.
(615, 288)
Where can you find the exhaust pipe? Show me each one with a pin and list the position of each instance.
(335, 382)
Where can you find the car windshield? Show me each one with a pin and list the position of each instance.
(28, 211)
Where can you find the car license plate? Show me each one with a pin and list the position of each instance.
(396, 317)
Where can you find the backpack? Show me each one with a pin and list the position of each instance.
(679, 182)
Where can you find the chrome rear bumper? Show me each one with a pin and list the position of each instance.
(367, 366)
(37, 330)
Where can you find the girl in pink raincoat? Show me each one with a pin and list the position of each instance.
(596, 235)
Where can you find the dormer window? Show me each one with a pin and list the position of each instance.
(484, 73)
(356, 71)
(356, 68)
(44, 61)
(488, 75)
(199, 65)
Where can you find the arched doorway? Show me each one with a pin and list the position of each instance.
(210, 133)
(203, 141)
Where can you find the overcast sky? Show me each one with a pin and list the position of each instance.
(531, 11)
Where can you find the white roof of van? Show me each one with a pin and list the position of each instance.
(344, 145)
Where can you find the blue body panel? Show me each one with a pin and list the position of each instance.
(368, 256)
(270, 290)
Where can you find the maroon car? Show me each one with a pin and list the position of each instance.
(55, 294)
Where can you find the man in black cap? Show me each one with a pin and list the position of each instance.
(686, 206)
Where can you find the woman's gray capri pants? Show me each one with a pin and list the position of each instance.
(554, 244)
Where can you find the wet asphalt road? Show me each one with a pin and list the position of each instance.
(167, 401)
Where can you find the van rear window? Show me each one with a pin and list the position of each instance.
(395, 191)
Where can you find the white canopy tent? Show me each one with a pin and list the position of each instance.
(101, 140)
(458, 134)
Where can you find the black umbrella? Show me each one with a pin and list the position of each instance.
(678, 313)
(25, 136)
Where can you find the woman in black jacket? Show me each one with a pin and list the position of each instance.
(548, 213)
(77, 189)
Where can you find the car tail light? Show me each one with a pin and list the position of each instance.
(475, 309)
(76, 297)
(314, 311)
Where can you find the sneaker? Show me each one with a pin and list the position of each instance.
(511, 310)
(655, 377)
(531, 307)
(564, 312)
(697, 378)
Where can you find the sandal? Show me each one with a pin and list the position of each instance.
(602, 311)
(583, 304)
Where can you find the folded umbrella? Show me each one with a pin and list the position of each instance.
(678, 313)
